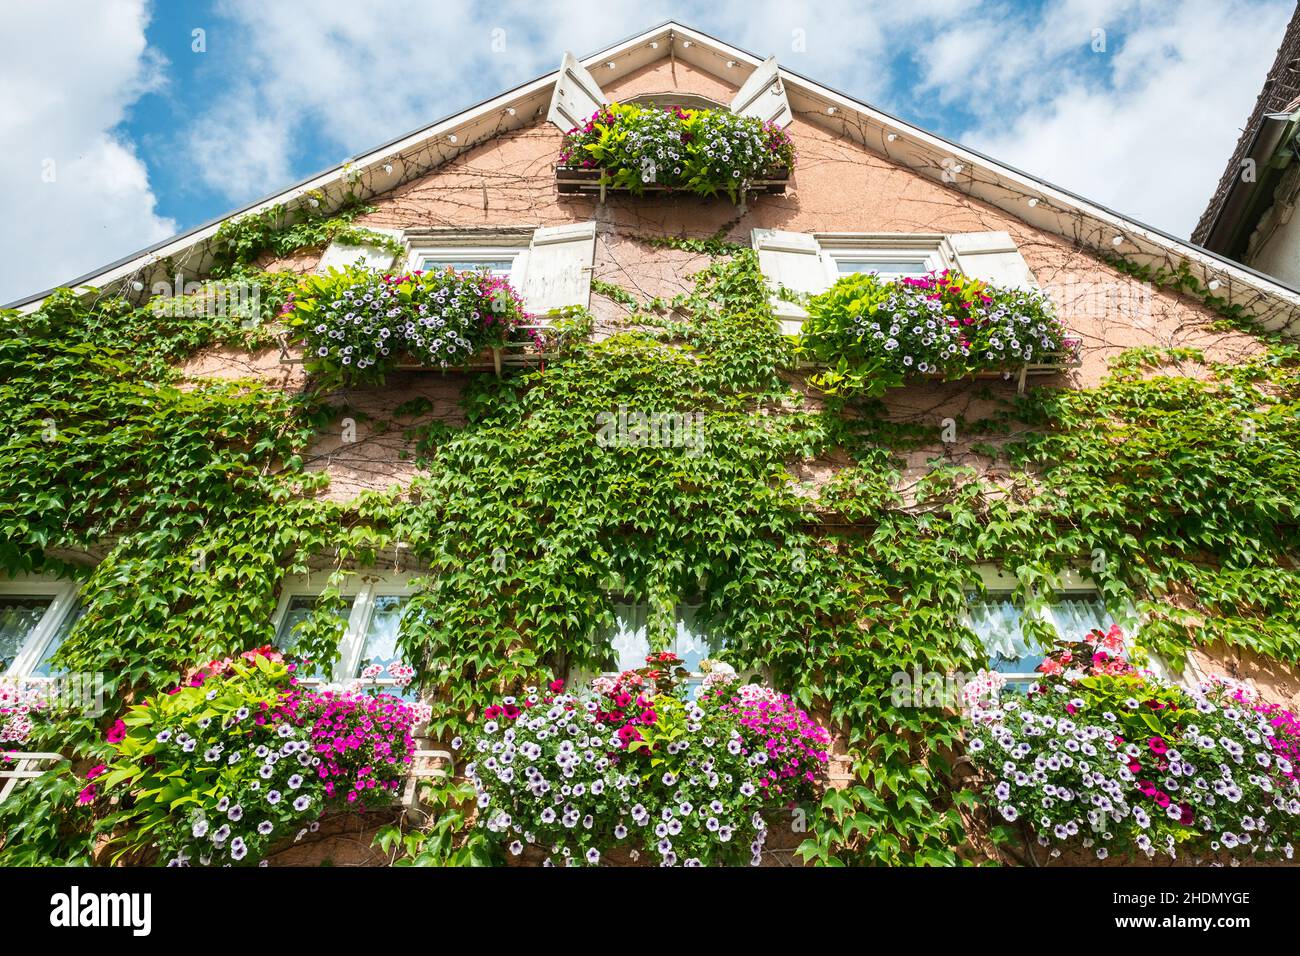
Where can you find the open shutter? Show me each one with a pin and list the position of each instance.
(557, 271)
(763, 95)
(793, 260)
(992, 257)
(577, 95)
(337, 255)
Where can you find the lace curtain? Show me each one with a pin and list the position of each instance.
(997, 622)
(630, 638)
(1075, 617)
(380, 645)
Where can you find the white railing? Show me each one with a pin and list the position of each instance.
(422, 768)
(19, 765)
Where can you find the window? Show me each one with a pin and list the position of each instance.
(497, 261)
(997, 619)
(890, 257)
(36, 615)
(630, 641)
(373, 607)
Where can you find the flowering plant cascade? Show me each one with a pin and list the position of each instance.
(1104, 756)
(357, 324)
(703, 151)
(641, 768)
(237, 759)
(876, 333)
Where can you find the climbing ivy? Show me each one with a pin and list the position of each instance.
(1175, 482)
(280, 231)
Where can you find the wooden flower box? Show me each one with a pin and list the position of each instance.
(522, 351)
(573, 179)
(1071, 356)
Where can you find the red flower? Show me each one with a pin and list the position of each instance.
(116, 733)
(556, 685)
(1158, 745)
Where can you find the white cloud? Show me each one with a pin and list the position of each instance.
(68, 74)
(357, 78)
(1150, 133)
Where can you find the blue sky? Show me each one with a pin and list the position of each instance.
(119, 132)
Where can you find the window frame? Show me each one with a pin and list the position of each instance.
(363, 588)
(517, 254)
(934, 249)
(64, 594)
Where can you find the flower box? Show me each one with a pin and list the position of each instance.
(355, 325)
(870, 334)
(637, 149)
(572, 179)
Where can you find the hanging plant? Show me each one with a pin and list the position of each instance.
(876, 333)
(356, 325)
(699, 151)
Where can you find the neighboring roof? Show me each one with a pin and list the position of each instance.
(1031, 200)
(1280, 94)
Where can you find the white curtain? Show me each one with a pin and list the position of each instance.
(997, 622)
(43, 668)
(630, 638)
(1076, 616)
(380, 646)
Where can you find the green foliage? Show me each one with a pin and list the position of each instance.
(1180, 492)
(186, 766)
(279, 231)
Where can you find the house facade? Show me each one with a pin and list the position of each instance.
(657, 466)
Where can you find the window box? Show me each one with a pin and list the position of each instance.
(641, 148)
(572, 179)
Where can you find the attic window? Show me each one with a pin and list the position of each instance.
(687, 101)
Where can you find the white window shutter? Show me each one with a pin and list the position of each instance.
(577, 95)
(557, 271)
(992, 257)
(763, 95)
(338, 256)
(793, 260)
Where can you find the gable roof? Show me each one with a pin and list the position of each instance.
(1050, 208)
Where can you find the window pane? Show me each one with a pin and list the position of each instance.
(18, 618)
(497, 267)
(65, 628)
(385, 622)
(694, 643)
(996, 619)
(884, 267)
(299, 609)
(1075, 615)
